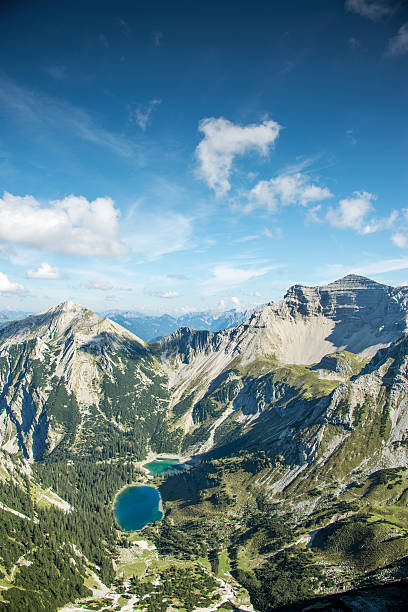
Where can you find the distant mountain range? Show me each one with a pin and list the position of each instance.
(153, 327)
(12, 315)
(150, 328)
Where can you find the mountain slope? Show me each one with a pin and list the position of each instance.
(69, 378)
(311, 496)
(297, 418)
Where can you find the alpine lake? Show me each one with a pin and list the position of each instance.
(138, 505)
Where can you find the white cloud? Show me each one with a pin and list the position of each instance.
(141, 115)
(399, 43)
(45, 271)
(372, 9)
(284, 190)
(353, 213)
(400, 240)
(235, 301)
(72, 226)
(313, 214)
(6, 286)
(225, 276)
(223, 141)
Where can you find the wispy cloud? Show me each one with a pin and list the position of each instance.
(178, 277)
(354, 43)
(398, 45)
(226, 276)
(104, 41)
(381, 266)
(400, 240)
(301, 164)
(248, 238)
(276, 233)
(167, 295)
(351, 136)
(56, 71)
(141, 115)
(223, 141)
(157, 38)
(124, 26)
(56, 114)
(371, 9)
(105, 285)
(152, 235)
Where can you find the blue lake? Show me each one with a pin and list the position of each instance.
(160, 466)
(137, 506)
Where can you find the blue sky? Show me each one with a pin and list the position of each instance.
(173, 156)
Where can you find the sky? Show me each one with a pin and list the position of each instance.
(176, 156)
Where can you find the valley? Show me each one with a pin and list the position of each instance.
(294, 428)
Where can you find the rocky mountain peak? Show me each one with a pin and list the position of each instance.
(68, 306)
(355, 278)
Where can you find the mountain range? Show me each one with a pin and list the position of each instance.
(154, 327)
(296, 421)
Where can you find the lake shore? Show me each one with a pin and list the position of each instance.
(151, 456)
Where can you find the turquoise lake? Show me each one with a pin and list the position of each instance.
(160, 466)
(137, 506)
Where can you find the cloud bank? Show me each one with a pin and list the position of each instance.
(72, 226)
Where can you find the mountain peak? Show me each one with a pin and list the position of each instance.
(67, 306)
(356, 280)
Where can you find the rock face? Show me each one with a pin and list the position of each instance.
(54, 368)
(62, 369)
(354, 314)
